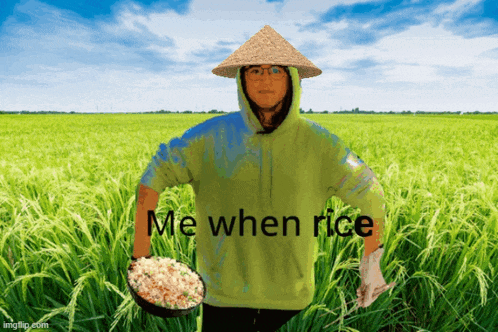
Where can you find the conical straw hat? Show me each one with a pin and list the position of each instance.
(266, 47)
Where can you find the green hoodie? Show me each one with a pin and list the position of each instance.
(289, 172)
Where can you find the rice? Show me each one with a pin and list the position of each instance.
(166, 283)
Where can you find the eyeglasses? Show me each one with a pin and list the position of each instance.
(256, 73)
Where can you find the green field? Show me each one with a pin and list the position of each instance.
(67, 210)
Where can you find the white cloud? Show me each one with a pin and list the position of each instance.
(410, 73)
(486, 68)
(426, 45)
(411, 56)
(126, 21)
(456, 8)
(230, 21)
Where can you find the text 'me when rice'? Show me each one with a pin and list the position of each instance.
(166, 283)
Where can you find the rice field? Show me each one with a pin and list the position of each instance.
(67, 210)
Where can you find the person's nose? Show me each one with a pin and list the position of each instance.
(266, 77)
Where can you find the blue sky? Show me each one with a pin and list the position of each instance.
(134, 56)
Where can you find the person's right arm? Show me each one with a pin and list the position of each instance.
(147, 200)
(175, 163)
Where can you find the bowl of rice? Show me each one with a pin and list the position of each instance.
(165, 287)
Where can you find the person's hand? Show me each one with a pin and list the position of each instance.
(372, 281)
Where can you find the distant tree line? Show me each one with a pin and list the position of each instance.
(352, 111)
(73, 112)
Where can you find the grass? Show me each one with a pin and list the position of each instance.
(67, 195)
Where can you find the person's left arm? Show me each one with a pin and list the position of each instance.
(350, 179)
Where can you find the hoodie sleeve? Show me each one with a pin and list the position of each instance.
(175, 163)
(350, 179)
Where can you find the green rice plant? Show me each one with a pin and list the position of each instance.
(67, 210)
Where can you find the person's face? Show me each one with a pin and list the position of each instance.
(268, 91)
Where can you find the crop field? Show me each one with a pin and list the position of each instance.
(67, 223)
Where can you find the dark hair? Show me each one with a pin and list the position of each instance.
(287, 100)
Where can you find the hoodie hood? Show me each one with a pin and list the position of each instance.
(290, 120)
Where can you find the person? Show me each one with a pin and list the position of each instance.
(263, 165)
